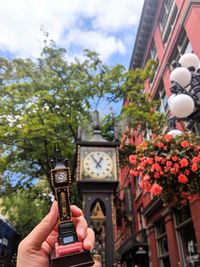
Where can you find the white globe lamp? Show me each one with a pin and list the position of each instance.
(182, 76)
(182, 105)
(175, 132)
(189, 60)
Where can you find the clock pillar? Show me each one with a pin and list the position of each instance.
(97, 177)
(101, 192)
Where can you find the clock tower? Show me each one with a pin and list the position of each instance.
(97, 177)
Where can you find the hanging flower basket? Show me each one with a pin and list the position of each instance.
(168, 167)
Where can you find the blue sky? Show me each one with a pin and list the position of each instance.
(106, 26)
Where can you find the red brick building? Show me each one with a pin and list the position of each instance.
(156, 235)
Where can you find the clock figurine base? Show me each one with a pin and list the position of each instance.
(80, 259)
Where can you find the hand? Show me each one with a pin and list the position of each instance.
(34, 250)
(97, 163)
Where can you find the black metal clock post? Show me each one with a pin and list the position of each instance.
(97, 177)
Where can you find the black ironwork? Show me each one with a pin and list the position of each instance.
(193, 92)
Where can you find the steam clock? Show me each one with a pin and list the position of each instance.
(97, 177)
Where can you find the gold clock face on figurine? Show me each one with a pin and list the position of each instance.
(98, 164)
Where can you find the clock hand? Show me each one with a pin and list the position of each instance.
(97, 163)
(100, 160)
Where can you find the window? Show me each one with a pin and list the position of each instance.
(161, 95)
(165, 12)
(181, 47)
(153, 51)
(167, 19)
(162, 243)
(128, 203)
(186, 237)
(141, 221)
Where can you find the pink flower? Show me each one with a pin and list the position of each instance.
(131, 172)
(184, 144)
(156, 175)
(160, 145)
(156, 189)
(194, 167)
(182, 178)
(168, 138)
(150, 160)
(132, 159)
(168, 164)
(184, 162)
(156, 167)
(174, 158)
(146, 177)
(196, 160)
(145, 185)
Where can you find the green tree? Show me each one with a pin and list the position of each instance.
(43, 101)
(141, 109)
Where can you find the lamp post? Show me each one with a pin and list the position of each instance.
(184, 102)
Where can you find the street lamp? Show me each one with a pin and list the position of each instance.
(184, 103)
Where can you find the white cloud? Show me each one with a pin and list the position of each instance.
(94, 24)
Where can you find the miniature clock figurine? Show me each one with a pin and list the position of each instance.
(68, 251)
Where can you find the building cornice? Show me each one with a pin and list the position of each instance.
(145, 26)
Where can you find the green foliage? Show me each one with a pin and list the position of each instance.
(140, 111)
(26, 205)
(43, 101)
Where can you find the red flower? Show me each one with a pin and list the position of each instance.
(145, 185)
(184, 144)
(156, 175)
(187, 172)
(173, 171)
(196, 160)
(132, 159)
(156, 189)
(184, 162)
(168, 164)
(163, 161)
(160, 145)
(150, 160)
(176, 166)
(174, 158)
(158, 159)
(156, 167)
(194, 167)
(168, 137)
(144, 163)
(131, 172)
(182, 178)
(146, 177)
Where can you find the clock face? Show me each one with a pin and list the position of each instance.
(61, 177)
(98, 164)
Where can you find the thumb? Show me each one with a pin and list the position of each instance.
(40, 233)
